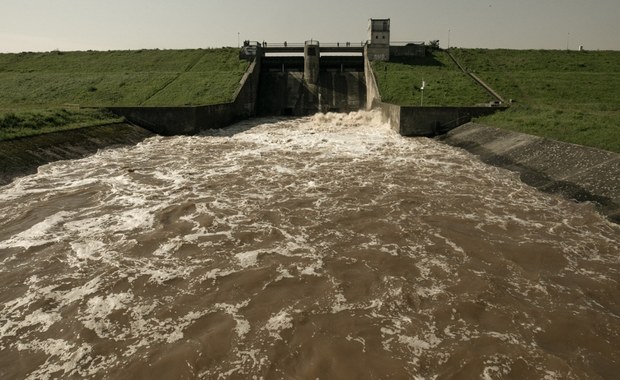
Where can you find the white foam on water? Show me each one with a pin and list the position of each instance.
(214, 274)
(279, 322)
(243, 326)
(313, 269)
(69, 358)
(164, 272)
(509, 338)
(551, 375)
(98, 308)
(134, 219)
(340, 304)
(249, 258)
(284, 195)
(85, 252)
(497, 366)
(78, 293)
(39, 234)
(282, 274)
(168, 248)
(417, 345)
(19, 316)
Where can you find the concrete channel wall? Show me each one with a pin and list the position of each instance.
(573, 171)
(418, 120)
(22, 156)
(189, 120)
(431, 121)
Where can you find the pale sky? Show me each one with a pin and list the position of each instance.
(44, 25)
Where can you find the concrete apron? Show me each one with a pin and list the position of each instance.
(576, 172)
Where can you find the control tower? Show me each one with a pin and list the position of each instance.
(378, 48)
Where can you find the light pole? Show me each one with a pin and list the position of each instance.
(238, 40)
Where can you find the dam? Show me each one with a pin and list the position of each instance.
(325, 246)
(300, 79)
(315, 82)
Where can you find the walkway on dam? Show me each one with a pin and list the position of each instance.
(330, 47)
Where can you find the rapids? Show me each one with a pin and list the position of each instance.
(323, 247)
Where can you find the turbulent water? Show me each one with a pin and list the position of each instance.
(324, 247)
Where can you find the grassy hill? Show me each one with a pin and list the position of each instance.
(399, 82)
(564, 95)
(40, 91)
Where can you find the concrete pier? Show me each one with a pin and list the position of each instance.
(312, 54)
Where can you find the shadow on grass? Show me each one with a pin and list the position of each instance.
(428, 60)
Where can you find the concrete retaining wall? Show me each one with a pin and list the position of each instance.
(188, 120)
(373, 95)
(431, 121)
(416, 120)
(573, 171)
(412, 50)
(428, 121)
(23, 156)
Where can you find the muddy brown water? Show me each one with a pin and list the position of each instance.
(325, 247)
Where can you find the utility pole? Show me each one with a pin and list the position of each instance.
(448, 38)
(238, 40)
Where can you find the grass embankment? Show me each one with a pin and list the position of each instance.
(30, 123)
(42, 92)
(563, 95)
(446, 85)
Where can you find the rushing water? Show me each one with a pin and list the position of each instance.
(325, 247)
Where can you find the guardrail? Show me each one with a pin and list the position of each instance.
(267, 44)
(286, 44)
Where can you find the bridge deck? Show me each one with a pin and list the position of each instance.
(324, 48)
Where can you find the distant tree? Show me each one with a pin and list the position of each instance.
(434, 44)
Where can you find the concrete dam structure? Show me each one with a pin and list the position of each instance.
(294, 85)
(287, 79)
(299, 79)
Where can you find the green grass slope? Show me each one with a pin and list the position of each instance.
(564, 95)
(446, 85)
(35, 87)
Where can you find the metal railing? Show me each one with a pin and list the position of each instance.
(267, 44)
